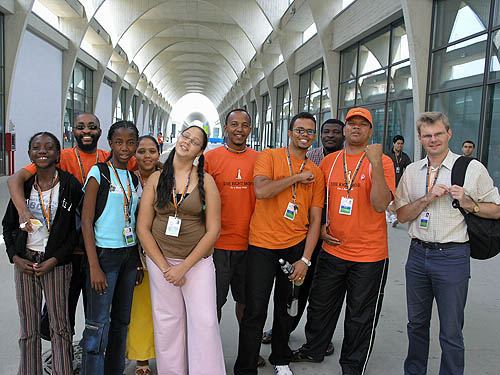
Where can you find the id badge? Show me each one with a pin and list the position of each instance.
(397, 169)
(173, 226)
(290, 211)
(424, 220)
(346, 206)
(128, 233)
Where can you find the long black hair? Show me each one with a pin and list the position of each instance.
(54, 139)
(166, 180)
(121, 124)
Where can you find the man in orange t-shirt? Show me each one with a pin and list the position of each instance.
(231, 166)
(285, 225)
(161, 139)
(360, 185)
(77, 161)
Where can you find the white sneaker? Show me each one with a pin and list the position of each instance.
(283, 370)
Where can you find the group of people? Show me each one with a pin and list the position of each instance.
(155, 249)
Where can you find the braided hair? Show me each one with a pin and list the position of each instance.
(166, 179)
(121, 124)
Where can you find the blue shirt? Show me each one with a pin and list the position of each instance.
(108, 229)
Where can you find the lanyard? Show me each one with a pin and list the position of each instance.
(81, 164)
(348, 180)
(233, 150)
(140, 179)
(127, 196)
(46, 211)
(396, 157)
(294, 192)
(184, 193)
(427, 178)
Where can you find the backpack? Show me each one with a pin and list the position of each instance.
(484, 234)
(101, 199)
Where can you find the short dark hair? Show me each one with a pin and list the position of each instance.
(305, 115)
(332, 121)
(150, 137)
(90, 114)
(398, 138)
(473, 145)
(48, 134)
(237, 110)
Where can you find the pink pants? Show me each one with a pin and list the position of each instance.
(186, 330)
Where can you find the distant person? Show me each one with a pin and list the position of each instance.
(161, 140)
(468, 148)
(42, 256)
(401, 160)
(332, 140)
(438, 265)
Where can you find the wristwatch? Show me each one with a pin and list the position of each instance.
(306, 261)
(476, 208)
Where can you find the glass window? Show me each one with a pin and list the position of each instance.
(495, 56)
(463, 109)
(316, 79)
(399, 46)
(374, 53)
(304, 84)
(2, 103)
(372, 87)
(325, 100)
(458, 19)
(461, 66)
(401, 84)
(348, 63)
(491, 151)
(348, 94)
(401, 123)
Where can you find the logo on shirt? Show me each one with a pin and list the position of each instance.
(238, 176)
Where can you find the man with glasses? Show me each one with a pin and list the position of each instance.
(354, 258)
(77, 161)
(285, 225)
(438, 265)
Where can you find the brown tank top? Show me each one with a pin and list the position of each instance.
(192, 227)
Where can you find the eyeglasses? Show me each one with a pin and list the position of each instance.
(82, 127)
(193, 141)
(302, 131)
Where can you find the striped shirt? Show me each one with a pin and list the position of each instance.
(446, 224)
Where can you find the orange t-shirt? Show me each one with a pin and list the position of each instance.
(363, 234)
(233, 174)
(69, 162)
(268, 227)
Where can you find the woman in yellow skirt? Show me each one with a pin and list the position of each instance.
(140, 339)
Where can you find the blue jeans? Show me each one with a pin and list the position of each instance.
(441, 274)
(108, 315)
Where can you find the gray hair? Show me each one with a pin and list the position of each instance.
(429, 118)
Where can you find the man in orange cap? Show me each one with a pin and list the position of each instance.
(360, 185)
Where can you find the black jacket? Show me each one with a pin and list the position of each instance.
(62, 238)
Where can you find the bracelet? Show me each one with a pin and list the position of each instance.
(140, 268)
(306, 261)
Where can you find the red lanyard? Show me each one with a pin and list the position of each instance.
(46, 211)
(79, 159)
(127, 196)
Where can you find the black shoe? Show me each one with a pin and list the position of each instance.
(329, 350)
(299, 356)
(261, 362)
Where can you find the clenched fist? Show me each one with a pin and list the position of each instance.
(374, 153)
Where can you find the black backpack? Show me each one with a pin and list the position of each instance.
(484, 234)
(101, 199)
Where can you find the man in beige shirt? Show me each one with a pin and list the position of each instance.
(438, 265)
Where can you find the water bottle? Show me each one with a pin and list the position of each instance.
(288, 269)
(293, 300)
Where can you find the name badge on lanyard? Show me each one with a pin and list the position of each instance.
(346, 206)
(173, 226)
(424, 220)
(290, 211)
(128, 233)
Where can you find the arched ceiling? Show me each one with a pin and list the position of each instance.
(184, 46)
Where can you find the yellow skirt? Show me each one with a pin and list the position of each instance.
(140, 339)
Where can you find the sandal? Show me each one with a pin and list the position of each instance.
(142, 370)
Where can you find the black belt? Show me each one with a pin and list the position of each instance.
(437, 245)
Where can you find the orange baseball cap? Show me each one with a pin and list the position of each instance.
(358, 111)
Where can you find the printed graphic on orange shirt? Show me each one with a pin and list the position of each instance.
(238, 176)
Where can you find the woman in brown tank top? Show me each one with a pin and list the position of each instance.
(178, 224)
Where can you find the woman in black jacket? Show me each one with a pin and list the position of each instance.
(42, 256)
